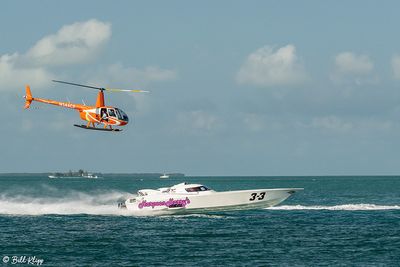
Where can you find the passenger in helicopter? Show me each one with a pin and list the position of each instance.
(104, 114)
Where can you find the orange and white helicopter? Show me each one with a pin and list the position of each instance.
(100, 114)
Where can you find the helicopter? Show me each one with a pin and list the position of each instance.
(100, 114)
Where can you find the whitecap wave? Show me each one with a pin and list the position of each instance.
(349, 207)
(199, 215)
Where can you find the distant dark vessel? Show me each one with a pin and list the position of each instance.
(71, 174)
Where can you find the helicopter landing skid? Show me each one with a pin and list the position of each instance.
(98, 129)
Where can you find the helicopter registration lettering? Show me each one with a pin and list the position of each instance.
(67, 105)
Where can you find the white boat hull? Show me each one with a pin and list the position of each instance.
(212, 201)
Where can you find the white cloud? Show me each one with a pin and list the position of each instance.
(345, 125)
(331, 123)
(72, 44)
(13, 76)
(253, 122)
(268, 67)
(259, 122)
(198, 122)
(349, 63)
(349, 67)
(75, 43)
(396, 66)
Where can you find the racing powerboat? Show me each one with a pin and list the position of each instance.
(192, 198)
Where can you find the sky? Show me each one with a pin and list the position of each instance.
(236, 87)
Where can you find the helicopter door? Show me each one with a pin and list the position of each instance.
(103, 114)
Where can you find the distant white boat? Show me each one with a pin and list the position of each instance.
(164, 176)
(90, 176)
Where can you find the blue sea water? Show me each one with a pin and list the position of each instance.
(335, 221)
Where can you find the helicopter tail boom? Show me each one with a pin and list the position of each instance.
(28, 97)
(28, 100)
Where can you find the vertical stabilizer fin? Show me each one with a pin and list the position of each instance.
(100, 99)
(28, 97)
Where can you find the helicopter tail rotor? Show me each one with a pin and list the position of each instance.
(28, 97)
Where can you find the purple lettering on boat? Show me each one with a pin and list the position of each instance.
(171, 203)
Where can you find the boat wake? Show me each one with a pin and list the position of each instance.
(349, 207)
(73, 202)
(105, 203)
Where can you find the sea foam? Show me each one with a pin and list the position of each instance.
(99, 203)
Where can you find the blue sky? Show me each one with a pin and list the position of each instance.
(237, 87)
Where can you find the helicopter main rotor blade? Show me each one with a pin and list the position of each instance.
(82, 85)
(102, 88)
(125, 90)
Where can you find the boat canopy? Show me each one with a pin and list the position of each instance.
(145, 192)
(189, 188)
(197, 189)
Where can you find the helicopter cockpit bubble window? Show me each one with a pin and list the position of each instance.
(111, 112)
(118, 114)
(121, 115)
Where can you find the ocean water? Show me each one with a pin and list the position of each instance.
(335, 221)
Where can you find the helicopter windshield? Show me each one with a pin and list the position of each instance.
(121, 115)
